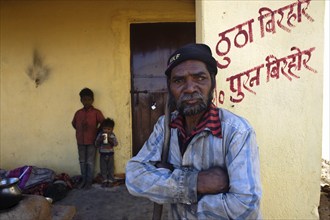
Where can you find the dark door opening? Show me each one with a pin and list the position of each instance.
(151, 45)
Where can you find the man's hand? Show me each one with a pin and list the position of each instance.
(165, 165)
(212, 181)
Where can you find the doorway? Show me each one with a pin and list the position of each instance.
(151, 44)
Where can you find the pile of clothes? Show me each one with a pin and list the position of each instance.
(40, 181)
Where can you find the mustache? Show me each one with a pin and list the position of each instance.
(186, 97)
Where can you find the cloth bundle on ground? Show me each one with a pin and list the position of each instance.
(32, 176)
(42, 181)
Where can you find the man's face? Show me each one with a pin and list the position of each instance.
(190, 85)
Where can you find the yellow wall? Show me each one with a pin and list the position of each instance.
(82, 44)
(287, 115)
(86, 43)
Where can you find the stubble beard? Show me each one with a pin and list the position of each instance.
(190, 110)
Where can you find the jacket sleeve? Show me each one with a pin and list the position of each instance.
(98, 140)
(115, 141)
(159, 184)
(243, 199)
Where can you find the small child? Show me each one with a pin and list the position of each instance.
(106, 141)
(86, 122)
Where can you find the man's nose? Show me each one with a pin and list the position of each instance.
(190, 86)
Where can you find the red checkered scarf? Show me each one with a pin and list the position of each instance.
(210, 121)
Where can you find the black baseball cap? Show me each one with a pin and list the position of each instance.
(194, 51)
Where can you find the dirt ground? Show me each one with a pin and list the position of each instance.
(324, 208)
(116, 203)
(113, 203)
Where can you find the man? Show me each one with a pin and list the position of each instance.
(212, 171)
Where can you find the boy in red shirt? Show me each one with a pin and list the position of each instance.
(86, 122)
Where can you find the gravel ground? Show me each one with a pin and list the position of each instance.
(116, 203)
(113, 203)
(324, 208)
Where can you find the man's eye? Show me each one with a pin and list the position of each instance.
(200, 78)
(177, 81)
